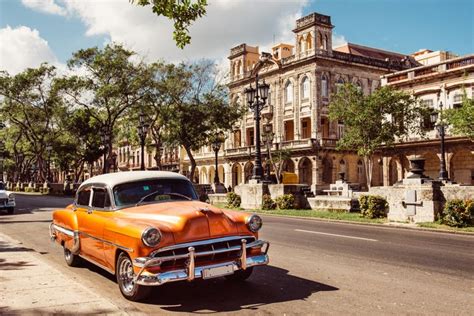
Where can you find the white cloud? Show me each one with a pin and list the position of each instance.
(226, 24)
(21, 48)
(338, 40)
(46, 6)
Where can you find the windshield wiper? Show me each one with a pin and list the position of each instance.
(156, 192)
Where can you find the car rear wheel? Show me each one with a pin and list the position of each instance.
(72, 260)
(240, 275)
(125, 279)
(10, 210)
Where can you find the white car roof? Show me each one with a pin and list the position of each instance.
(112, 179)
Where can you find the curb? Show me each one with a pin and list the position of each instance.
(388, 225)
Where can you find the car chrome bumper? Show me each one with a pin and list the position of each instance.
(192, 272)
(6, 205)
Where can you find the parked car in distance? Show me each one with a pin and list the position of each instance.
(149, 228)
(7, 200)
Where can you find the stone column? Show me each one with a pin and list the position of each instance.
(386, 171)
(228, 175)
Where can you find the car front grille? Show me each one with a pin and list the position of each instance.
(212, 250)
(3, 201)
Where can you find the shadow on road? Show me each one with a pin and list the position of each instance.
(267, 285)
(14, 265)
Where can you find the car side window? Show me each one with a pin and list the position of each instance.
(100, 199)
(83, 196)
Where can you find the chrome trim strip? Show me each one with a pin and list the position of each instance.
(107, 242)
(181, 275)
(63, 230)
(191, 265)
(97, 264)
(243, 255)
(200, 243)
(157, 261)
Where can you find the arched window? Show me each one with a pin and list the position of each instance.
(301, 44)
(305, 88)
(320, 40)
(339, 84)
(309, 41)
(288, 92)
(325, 43)
(360, 171)
(358, 86)
(324, 86)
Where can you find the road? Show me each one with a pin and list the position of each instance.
(316, 267)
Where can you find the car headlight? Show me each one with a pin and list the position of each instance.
(151, 236)
(254, 223)
(11, 196)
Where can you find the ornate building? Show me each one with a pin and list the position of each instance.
(302, 77)
(444, 78)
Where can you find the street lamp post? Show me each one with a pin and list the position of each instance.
(216, 145)
(142, 131)
(267, 138)
(256, 99)
(49, 148)
(105, 141)
(114, 161)
(2, 157)
(438, 119)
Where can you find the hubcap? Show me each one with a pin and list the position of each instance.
(67, 254)
(126, 276)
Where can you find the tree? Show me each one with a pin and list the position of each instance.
(182, 12)
(277, 160)
(462, 119)
(108, 85)
(195, 107)
(374, 121)
(31, 105)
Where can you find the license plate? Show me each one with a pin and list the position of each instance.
(217, 272)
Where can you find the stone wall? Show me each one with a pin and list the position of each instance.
(217, 198)
(430, 199)
(330, 203)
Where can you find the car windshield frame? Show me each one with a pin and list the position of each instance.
(128, 194)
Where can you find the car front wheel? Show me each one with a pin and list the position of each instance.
(125, 279)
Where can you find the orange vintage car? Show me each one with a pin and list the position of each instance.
(149, 228)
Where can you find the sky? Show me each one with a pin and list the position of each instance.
(36, 31)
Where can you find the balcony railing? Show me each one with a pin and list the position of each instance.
(328, 142)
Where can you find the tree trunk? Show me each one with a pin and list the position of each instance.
(368, 165)
(193, 162)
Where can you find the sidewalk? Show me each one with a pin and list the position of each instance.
(31, 286)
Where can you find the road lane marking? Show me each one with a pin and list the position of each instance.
(335, 235)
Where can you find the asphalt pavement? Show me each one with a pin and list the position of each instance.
(316, 267)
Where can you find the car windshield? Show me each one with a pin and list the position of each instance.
(153, 191)
(2, 187)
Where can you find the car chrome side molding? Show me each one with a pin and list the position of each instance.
(75, 234)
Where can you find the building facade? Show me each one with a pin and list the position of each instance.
(302, 77)
(444, 78)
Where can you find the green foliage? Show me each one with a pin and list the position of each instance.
(29, 189)
(33, 112)
(268, 203)
(183, 13)
(285, 202)
(373, 206)
(462, 119)
(195, 106)
(375, 120)
(458, 213)
(233, 200)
